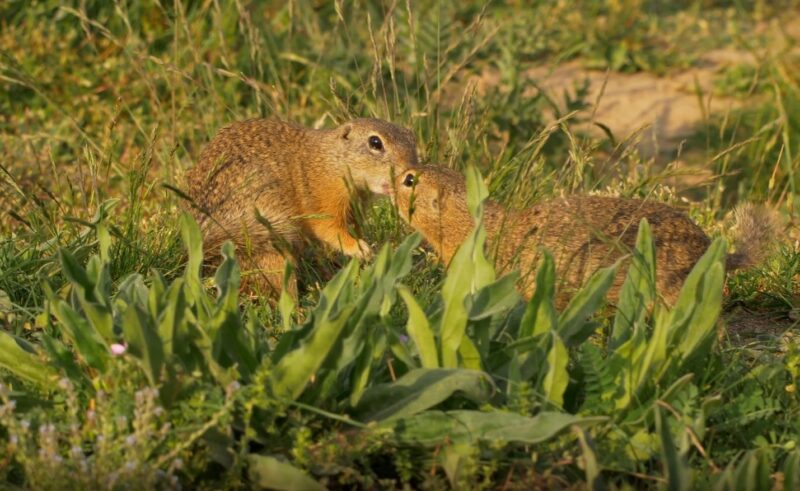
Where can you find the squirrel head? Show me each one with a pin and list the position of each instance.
(433, 200)
(372, 151)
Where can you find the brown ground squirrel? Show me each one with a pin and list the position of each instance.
(299, 179)
(584, 233)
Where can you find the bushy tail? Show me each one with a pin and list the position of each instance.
(755, 234)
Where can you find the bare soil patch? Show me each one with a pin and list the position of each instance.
(745, 327)
(657, 113)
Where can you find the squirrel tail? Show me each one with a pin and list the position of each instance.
(755, 233)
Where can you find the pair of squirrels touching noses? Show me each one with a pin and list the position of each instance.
(270, 187)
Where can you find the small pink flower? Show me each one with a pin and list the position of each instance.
(118, 349)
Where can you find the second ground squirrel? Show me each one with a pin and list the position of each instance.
(299, 180)
(583, 233)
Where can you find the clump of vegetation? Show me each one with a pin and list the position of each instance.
(124, 368)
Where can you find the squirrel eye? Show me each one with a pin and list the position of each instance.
(408, 181)
(375, 143)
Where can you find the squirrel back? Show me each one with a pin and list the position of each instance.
(583, 233)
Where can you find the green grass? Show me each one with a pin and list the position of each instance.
(103, 104)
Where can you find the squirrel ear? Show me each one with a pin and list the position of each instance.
(344, 131)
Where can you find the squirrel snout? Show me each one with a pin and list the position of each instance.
(379, 186)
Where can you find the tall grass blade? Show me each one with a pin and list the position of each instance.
(419, 330)
(638, 290)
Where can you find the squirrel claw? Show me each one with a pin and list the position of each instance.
(363, 251)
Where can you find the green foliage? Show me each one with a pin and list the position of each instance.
(421, 389)
(173, 329)
(433, 427)
(270, 473)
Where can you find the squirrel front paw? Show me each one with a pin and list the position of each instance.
(362, 251)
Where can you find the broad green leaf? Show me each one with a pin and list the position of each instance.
(193, 241)
(97, 310)
(132, 291)
(696, 289)
(477, 191)
(494, 298)
(624, 365)
(791, 471)
(456, 288)
(363, 318)
(363, 366)
(594, 480)
(286, 304)
(557, 378)
(74, 272)
(100, 317)
(753, 473)
(294, 371)
(143, 342)
(514, 376)
(455, 461)
(374, 294)
(79, 331)
(484, 270)
(468, 271)
(329, 300)
(750, 473)
(63, 359)
(103, 241)
(419, 329)
(100, 277)
(653, 358)
(706, 312)
(691, 322)
(400, 349)
(421, 389)
(18, 357)
(6, 306)
(270, 473)
(232, 341)
(400, 264)
(677, 471)
(378, 267)
(226, 328)
(155, 295)
(227, 278)
(638, 290)
(171, 318)
(436, 427)
(540, 318)
(572, 323)
(470, 357)
(540, 314)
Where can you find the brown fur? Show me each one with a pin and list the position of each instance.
(298, 179)
(584, 233)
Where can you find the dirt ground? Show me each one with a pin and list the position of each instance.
(655, 113)
(745, 327)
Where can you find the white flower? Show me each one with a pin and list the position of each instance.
(118, 349)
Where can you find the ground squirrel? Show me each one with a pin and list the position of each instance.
(583, 233)
(299, 180)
